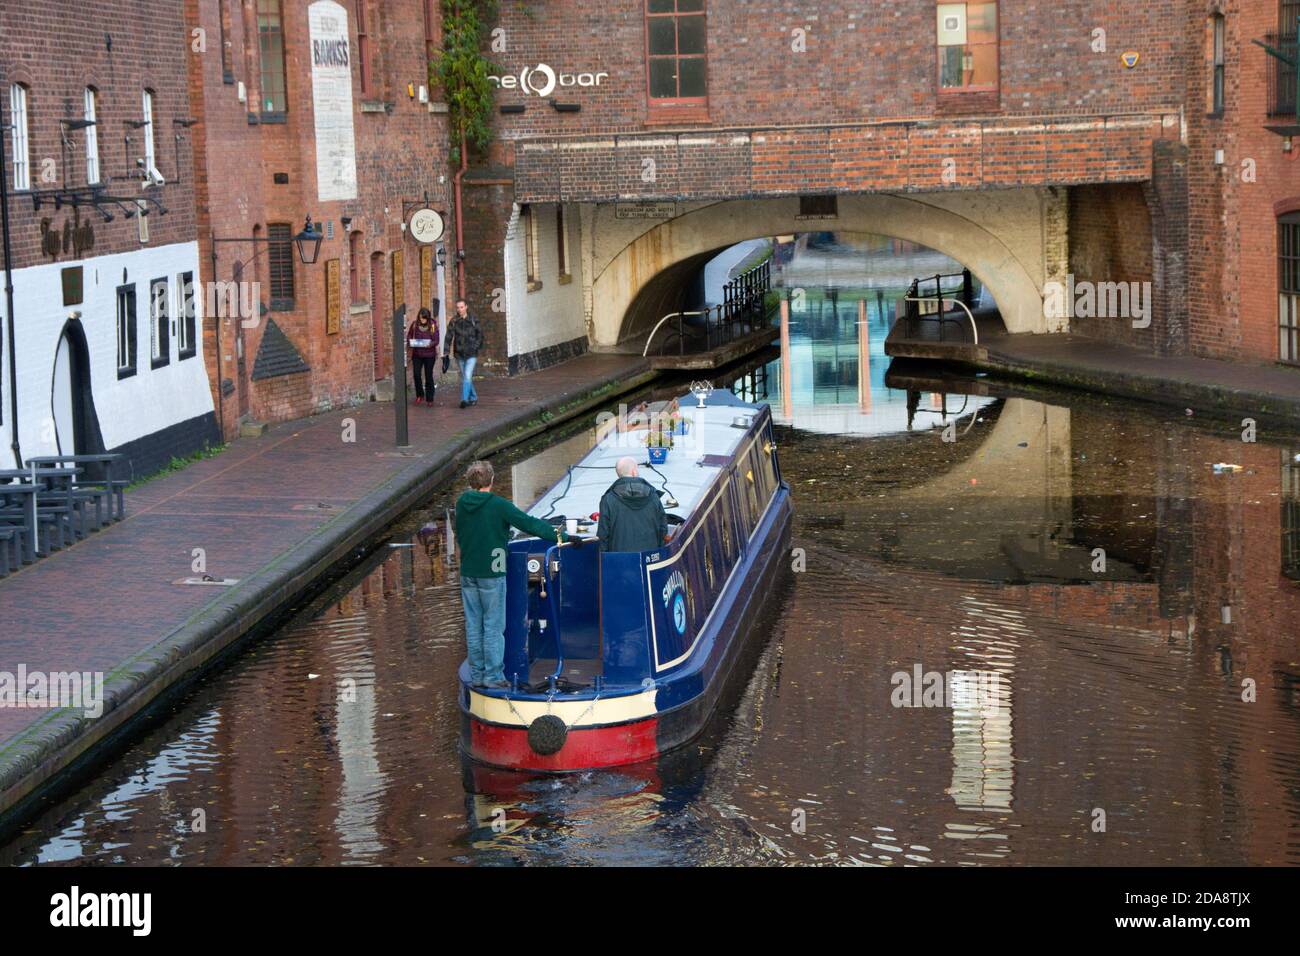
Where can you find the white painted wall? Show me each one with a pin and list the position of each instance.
(128, 409)
(553, 313)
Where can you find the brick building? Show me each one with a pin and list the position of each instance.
(636, 138)
(319, 110)
(98, 348)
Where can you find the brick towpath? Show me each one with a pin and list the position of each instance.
(1265, 392)
(108, 603)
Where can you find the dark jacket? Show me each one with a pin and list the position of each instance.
(431, 333)
(483, 523)
(465, 336)
(631, 517)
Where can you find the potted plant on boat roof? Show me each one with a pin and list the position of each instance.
(677, 424)
(658, 440)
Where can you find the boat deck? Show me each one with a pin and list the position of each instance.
(713, 435)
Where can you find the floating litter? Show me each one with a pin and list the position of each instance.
(1222, 468)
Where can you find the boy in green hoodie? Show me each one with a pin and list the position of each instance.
(483, 523)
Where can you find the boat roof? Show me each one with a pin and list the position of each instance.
(712, 441)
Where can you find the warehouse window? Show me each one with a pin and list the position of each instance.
(92, 136)
(354, 269)
(280, 259)
(675, 51)
(159, 337)
(270, 32)
(561, 242)
(18, 136)
(968, 47)
(1288, 287)
(146, 131)
(125, 331)
(1216, 63)
(363, 46)
(186, 340)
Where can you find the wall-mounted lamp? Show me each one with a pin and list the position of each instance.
(566, 107)
(513, 107)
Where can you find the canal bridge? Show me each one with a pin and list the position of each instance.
(605, 233)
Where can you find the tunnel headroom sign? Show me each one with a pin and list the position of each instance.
(543, 80)
(331, 96)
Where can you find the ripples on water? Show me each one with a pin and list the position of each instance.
(334, 741)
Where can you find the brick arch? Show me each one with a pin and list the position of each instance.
(964, 229)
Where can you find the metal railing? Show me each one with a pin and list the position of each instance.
(936, 290)
(1281, 75)
(743, 310)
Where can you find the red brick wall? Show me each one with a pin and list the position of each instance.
(57, 56)
(1233, 251)
(1110, 241)
(400, 157)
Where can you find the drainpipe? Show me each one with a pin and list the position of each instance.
(460, 220)
(216, 327)
(9, 307)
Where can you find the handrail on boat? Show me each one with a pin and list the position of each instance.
(932, 298)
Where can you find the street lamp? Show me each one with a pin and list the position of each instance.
(308, 242)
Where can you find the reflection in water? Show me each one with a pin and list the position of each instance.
(1097, 599)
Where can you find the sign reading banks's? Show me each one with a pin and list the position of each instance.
(543, 80)
(331, 95)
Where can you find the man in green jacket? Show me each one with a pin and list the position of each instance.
(483, 523)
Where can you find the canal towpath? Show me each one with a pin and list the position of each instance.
(277, 513)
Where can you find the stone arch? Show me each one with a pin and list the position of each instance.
(1003, 237)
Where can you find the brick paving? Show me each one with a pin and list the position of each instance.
(1248, 388)
(109, 598)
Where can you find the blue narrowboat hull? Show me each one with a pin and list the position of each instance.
(670, 634)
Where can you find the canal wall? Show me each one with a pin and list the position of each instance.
(1266, 393)
(294, 507)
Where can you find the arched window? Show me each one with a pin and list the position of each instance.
(146, 131)
(91, 114)
(18, 136)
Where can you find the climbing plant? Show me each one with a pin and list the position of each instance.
(463, 71)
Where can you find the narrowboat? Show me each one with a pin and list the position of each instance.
(614, 658)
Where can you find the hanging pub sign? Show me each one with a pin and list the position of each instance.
(76, 237)
(426, 226)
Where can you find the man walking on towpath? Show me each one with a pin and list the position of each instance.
(483, 523)
(464, 340)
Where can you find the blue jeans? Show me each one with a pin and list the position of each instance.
(467, 393)
(485, 627)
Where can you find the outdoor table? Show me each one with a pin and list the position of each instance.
(113, 487)
(28, 493)
(43, 479)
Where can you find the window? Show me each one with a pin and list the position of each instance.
(125, 331)
(270, 32)
(1216, 59)
(354, 269)
(186, 346)
(18, 136)
(561, 242)
(92, 138)
(159, 340)
(280, 259)
(675, 51)
(1288, 287)
(363, 46)
(146, 130)
(530, 248)
(968, 47)
(1291, 512)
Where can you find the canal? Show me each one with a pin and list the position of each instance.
(1134, 608)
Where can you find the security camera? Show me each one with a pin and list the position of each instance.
(154, 178)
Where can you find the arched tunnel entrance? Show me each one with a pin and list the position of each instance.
(1006, 240)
